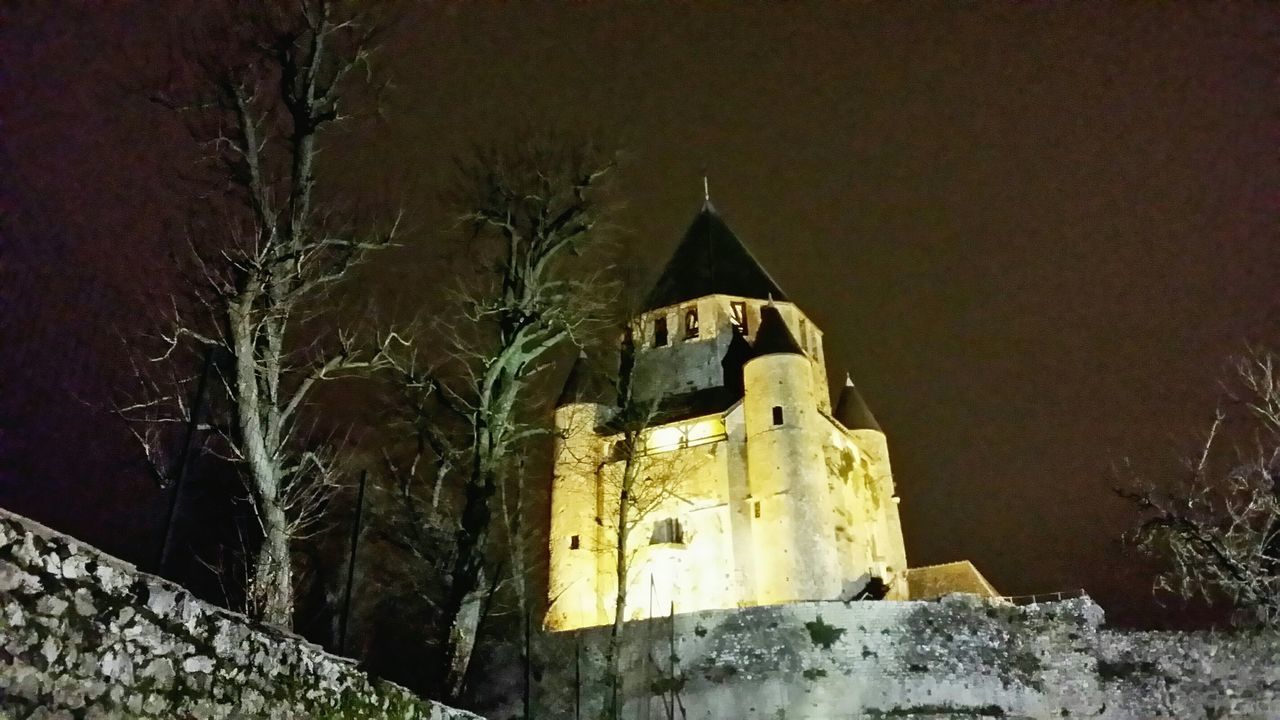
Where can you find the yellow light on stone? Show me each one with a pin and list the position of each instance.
(667, 438)
(706, 429)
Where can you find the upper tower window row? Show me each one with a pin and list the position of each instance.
(662, 338)
(739, 316)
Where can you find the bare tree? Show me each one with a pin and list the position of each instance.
(261, 267)
(532, 216)
(640, 484)
(640, 478)
(1218, 525)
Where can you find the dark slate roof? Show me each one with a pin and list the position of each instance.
(674, 408)
(735, 356)
(852, 411)
(711, 260)
(773, 335)
(584, 384)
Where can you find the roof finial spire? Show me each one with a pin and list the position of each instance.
(706, 189)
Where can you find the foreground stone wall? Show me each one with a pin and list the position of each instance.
(84, 635)
(961, 657)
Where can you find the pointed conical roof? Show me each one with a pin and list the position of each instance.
(735, 356)
(852, 411)
(711, 260)
(583, 385)
(773, 335)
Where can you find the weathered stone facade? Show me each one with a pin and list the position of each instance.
(960, 657)
(751, 487)
(84, 635)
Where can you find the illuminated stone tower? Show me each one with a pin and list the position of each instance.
(769, 494)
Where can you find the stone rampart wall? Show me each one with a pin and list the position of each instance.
(84, 635)
(960, 657)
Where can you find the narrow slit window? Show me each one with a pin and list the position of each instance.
(777, 415)
(574, 543)
(738, 315)
(660, 332)
(757, 509)
(804, 334)
(691, 323)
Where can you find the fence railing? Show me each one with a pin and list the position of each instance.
(1038, 598)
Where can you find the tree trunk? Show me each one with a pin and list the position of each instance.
(273, 576)
(613, 672)
(462, 639)
(466, 587)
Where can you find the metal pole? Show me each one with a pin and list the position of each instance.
(528, 662)
(671, 660)
(351, 564)
(184, 460)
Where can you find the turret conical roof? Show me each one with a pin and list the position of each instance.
(735, 356)
(773, 335)
(583, 385)
(711, 260)
(852, 411)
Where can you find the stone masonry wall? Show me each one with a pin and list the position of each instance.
(84, 635)
(961, 657)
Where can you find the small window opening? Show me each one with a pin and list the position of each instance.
(667, 530)
(738, 315)
(757, 509)
(691, 323)
(777, 414)
(660, 332)
(574, 543)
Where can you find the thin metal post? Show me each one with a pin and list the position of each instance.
(351, 564)
(671, 660)
(528, 662)
(184, 460)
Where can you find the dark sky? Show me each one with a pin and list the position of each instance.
(1033, 233)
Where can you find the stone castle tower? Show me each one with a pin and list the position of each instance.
(757, 490)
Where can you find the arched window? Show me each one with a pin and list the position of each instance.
(738, 316)
(691, 323)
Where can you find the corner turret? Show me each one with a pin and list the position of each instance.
(792, 523)
(884, 528)
(574, 534)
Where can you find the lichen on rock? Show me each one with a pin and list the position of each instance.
(84, 636)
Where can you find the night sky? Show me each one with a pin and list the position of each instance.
(1033, 233)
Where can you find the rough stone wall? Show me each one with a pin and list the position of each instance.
(1190, 675)
(84, 635)
(960, 657)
